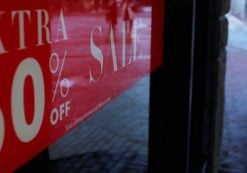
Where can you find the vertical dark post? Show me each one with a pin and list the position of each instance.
(169, 95)
(208, 85)
(175, 108)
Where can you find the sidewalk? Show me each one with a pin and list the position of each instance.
(234, 151)
(114, 140)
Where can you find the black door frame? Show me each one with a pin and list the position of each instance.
(170, 95)
(187, 91)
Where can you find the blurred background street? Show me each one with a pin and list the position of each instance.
(234, 151)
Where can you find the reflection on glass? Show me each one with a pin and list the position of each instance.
(109, 51)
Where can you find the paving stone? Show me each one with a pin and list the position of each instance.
(114, 140)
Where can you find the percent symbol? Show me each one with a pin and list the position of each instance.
(57, 67)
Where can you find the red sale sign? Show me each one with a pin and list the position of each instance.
(61, 61)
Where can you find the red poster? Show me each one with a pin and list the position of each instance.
(61, 61)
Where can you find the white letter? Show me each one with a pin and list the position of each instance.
(61, 27)
(67, 108)
(41, 26)
(124, 45)
(97, 54)
(54, 116)
(136, 40)
(2, 49)
(62, 111)
(2, 129)
(113, 50)
(21, 17)
(26, 132)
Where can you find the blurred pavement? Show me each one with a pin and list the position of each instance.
(114, 140)
(234, 146)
